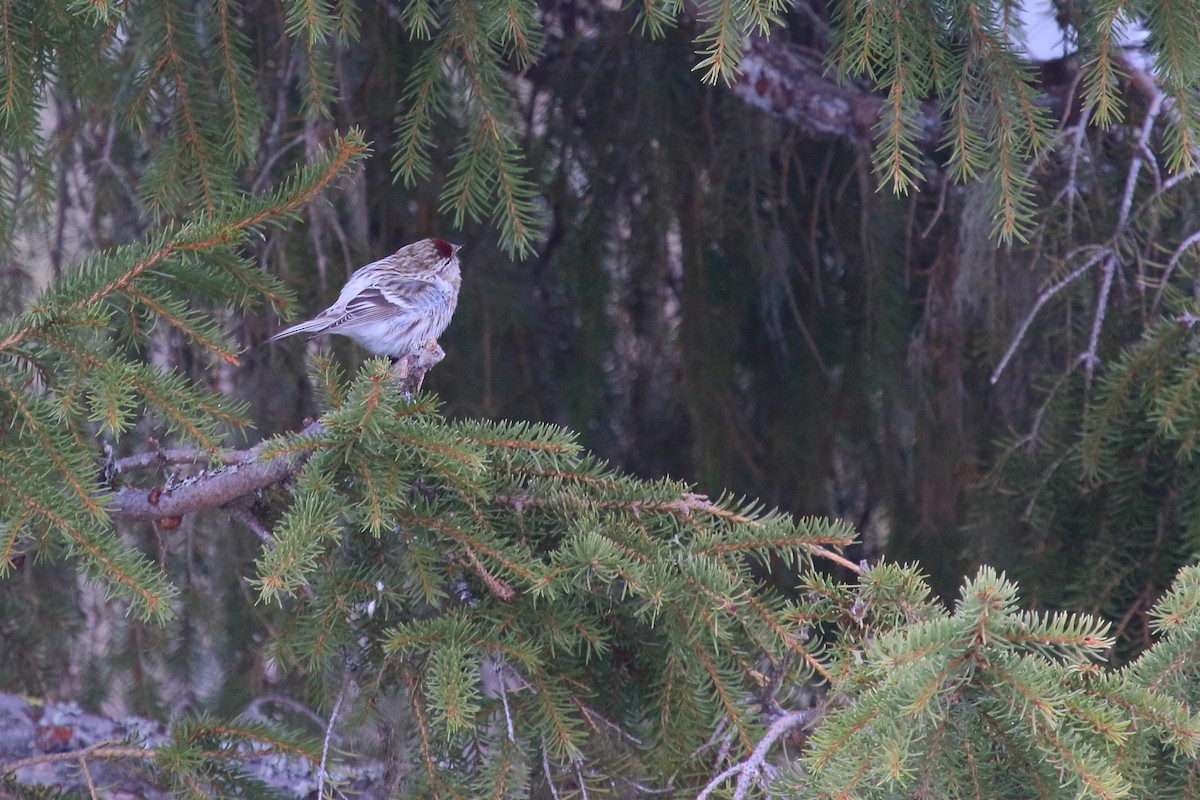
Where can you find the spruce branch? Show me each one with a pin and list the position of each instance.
(47, 467)
(203, 233)
(245, 112)
(246, 472)
(99, 750)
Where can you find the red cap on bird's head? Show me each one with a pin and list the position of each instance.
(444, 248)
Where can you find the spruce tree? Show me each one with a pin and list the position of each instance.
(414, 603)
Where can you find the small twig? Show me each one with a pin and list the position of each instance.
(87, 776)
(937, 212)
(508, 720)
(593, 715)
(798, 318)
(546, 769)
(583, 792)
(1187, 244)
(1071, 188)
(1043, 298)
(723, 750)
(106, 750)
(333, 715)
(238, 511)
(1139, 154)
(711, 741)
(829, 555)
(254, 709)
(644, 790)
(1044, 481)
(718, 780)
(748, 770)
(1030, 439)
(753, 764)
(179, 455)
(1089, 357)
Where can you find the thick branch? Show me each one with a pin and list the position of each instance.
(795, 83)
(170, 456)
(208, 489)
(246, 472)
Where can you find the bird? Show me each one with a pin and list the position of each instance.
(395, 305)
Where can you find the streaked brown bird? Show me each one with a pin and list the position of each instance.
(394, 305)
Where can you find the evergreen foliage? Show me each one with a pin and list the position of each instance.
(1110, 448)
(512, 615)
(541, 614)
(991, 701)
(79, 346)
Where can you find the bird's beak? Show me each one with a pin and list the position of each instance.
(454, 248)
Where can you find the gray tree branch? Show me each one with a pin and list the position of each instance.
(796, 84)
(209, 488)
(245, 471)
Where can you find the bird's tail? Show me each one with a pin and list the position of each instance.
(313, 326)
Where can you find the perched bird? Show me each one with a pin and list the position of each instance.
(394, 305)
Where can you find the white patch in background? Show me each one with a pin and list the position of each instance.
(1043, 39)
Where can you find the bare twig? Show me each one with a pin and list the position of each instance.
(1047, 294)
(240, 512)
(794, 307)
(754, 764)
(1089, 357)
(748, 770)
(1187, 244)
(333, 715)
(1141, 152)
(546, 770)
(254, 709)
(87, 776)
(717, 780)
(583, 792)
(1070, 189)
(508, 720)
(179, 455)
(937, 212)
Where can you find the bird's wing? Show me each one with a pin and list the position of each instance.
(376, 303)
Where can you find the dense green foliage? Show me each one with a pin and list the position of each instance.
(457, 604)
